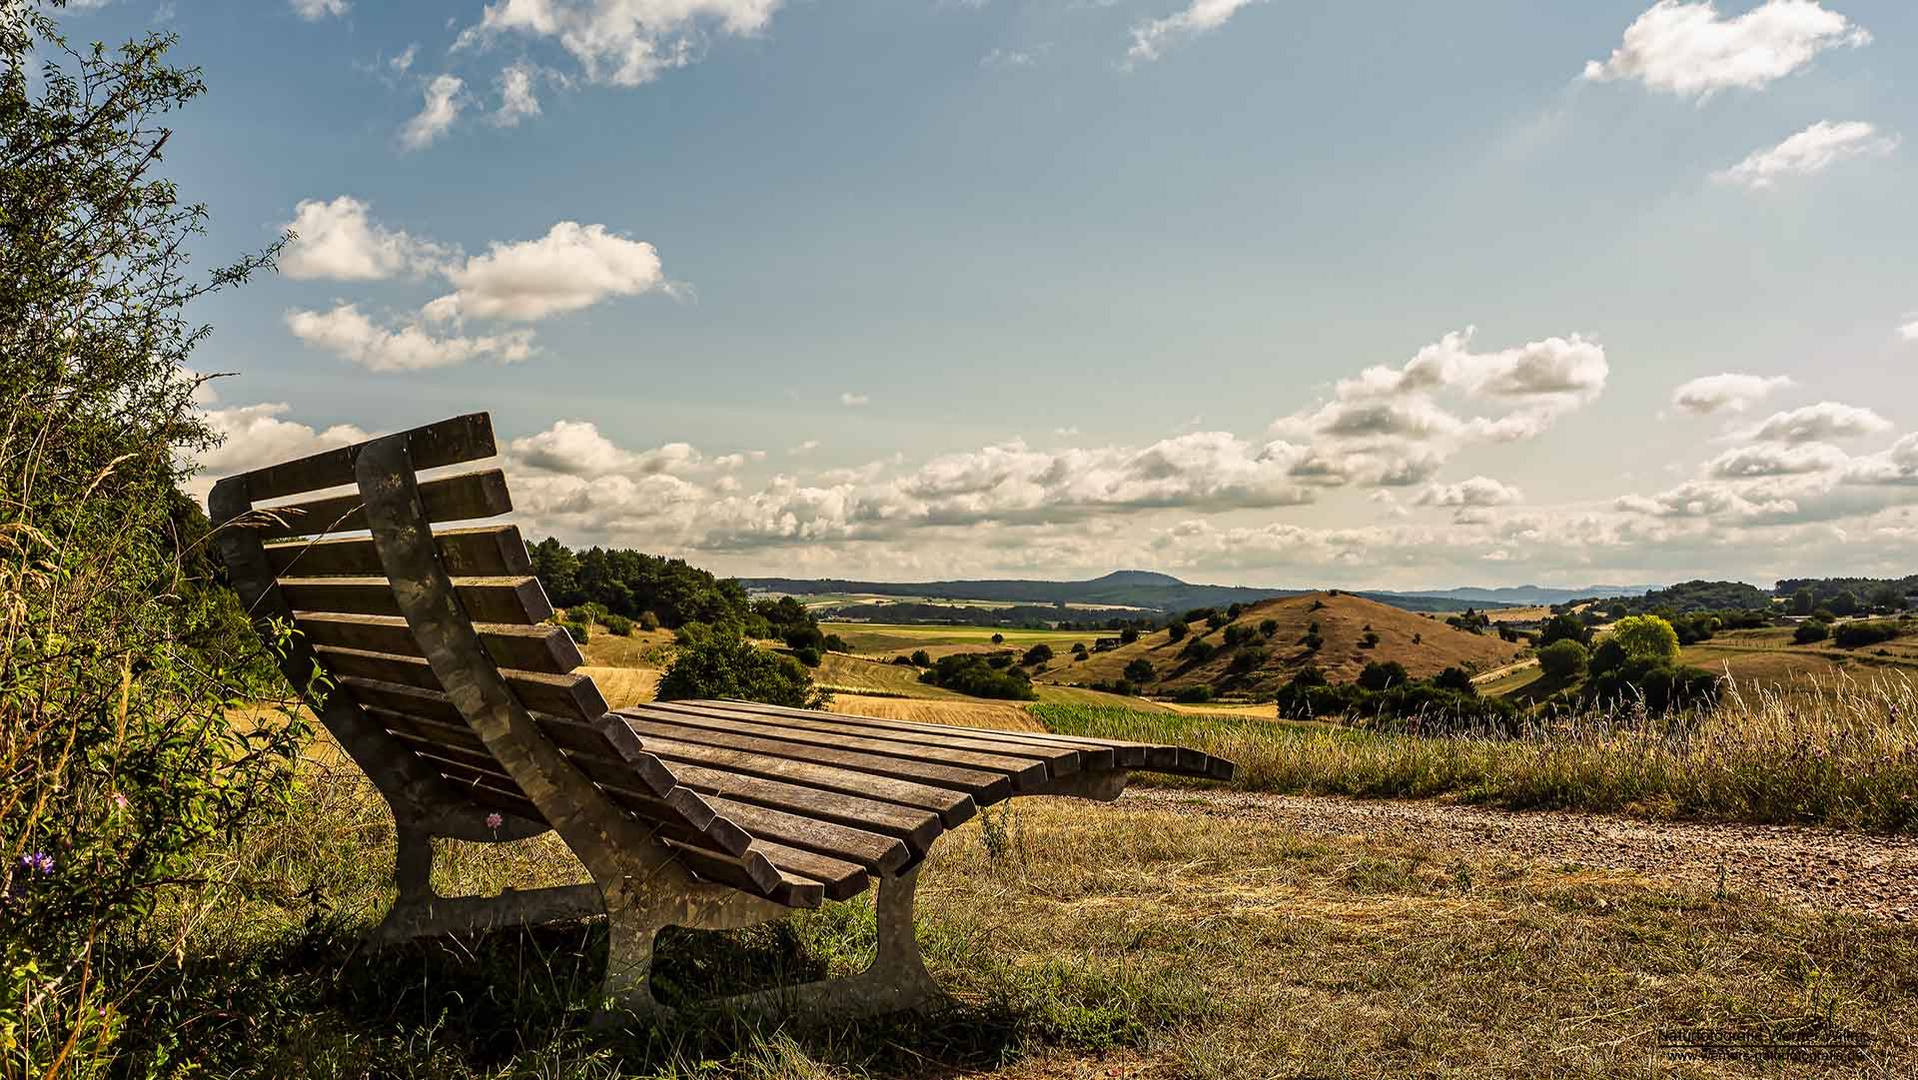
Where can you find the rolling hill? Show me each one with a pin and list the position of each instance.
(1425, 645)
(1153, 592)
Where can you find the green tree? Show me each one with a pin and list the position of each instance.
(1809, 631)
(1564, 660)
(1646, 637)
(1845, 603)
(1564, 628)
(118, 762)
(1377, 676)
(1175, 630)
(1803, 601)
(1140, 671)
(1038, 654)
(725, 665)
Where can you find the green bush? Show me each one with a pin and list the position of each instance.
(808, 655)
(1175, 630)
(1268, 627)
(579, 631)
(1128, 635)
(1197, 651)
(920, 659)
(1140, 671)
(1564, 659)
(1646, 637)
(1854, 635)
(974, 675)
(618, 625)
(725, 665)
(1810, 631)
(1193, 695)
(1377, 676)
(1038, 654)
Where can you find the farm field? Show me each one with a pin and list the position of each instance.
(891, 638)
(1768, 658)
(819, 601)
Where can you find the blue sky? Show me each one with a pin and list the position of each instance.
(1049, 288)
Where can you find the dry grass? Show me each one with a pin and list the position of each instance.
(893, 638)
(842, 673)
(966, 713)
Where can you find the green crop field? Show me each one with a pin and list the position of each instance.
(891, 637)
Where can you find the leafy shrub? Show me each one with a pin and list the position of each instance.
(1646, 637)
(1268, 627)
(579, 631)
(1313, 641)
(1377, 676)
(1237, 634)
(835, 643)
(1216, 620)
(1456, 679)
(1194, 695)
(1370, 640)
(1810, 631)
(1660, 687)
(619, 625)
(1564, 627)
(1038, 654)
(1128, 635)
(1140, 671)
(1197, 651)
(725, 665)
(920, 659)
(970, 673)
(1564, 659)
(902, 661)
(1853, 635)
(648, 621)
(1175, 630)
(998, 639)
(1248, 660)
(808, 655)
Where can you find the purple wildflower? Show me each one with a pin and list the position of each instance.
(494, 820)
(39, 860)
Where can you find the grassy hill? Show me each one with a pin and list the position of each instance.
(1424, 645)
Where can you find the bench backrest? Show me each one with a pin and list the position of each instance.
(299, 551)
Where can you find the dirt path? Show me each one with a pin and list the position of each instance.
(1818, 868)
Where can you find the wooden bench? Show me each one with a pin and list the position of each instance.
(427, 655)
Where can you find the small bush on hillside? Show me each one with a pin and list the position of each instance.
(1175, 630)
(723, 665)
(920, 658)
(1853, 635)
(1216, 620)
(1129, 635)
(1197, 651)
(1456, 679)
(1313, 641)
(1564, 659)
(1194, 695)
(1236, 634)
(1658, 687)
(808, 655)
(1248, 660)
(1564, 628)
(1038, 654)
(970, 673)
(1810, 631)
(619, 625)
(1198, 614)
(648, 621)
(1140, 671)
(579, 631)
(1377, 676)
(835, 643)
(1268, 627)
(1646, 637)
(1370, 640)
(998, 639)
(902, 661)
(1078, 648)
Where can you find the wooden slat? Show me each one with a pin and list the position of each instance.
(518, 600)
(542, 648)
(1063, 760)
(1125, 754)
(481, 551)
(985, 787)
(452, 498)
(952, 807)
(1024, 772)
(571, 696)
(918, 828)
(448, 442)
(754, 874)
(841, 880)
(868, 849)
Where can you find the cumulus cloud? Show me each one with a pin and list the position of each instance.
(1821, 422)
(853, 401)
(1777, 459)
(623, 42)
(1151, 37)
(443, 102)
(1479, 491)
(256, 435)
(315, 10)
(1812, 150)
(1689, 49)
(572, 267)
(518, 97)
(1909, 331)
(576, 448)
(339, 241)
(1387, 425)
(1729, 391)
(347, 332)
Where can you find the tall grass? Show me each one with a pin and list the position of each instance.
(1836, 752)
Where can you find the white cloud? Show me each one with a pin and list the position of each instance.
(348, 333)
(1810, 151)
(255, 435)
(1777, 459)
(1816, 423)
(576, 448)
(1909, 331)
(1151, 37)
(1730, 391)
(853, 401)
(1013, 58)
(443, 102)
(623, 42)
(572, 267)
(517, 96)
(806, 447)
(1479, 491)
(404, 61)
(1688, 49)
(338, 241)
(315, 10)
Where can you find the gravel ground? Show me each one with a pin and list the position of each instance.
(1817, 868)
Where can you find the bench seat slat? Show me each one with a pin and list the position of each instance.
(771, 882)
(542, 648)
(452, 498)
(918, 828)
(481, 551)
(952, 807)
(448, 442)
(572, 696)
(1062, 759)
(868, 849)
(1125, 754)
(1023, 772)
(840, 880)
(984, 787)
(518, 600)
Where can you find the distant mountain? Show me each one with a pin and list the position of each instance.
(1524, 595)
(1142, 589)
